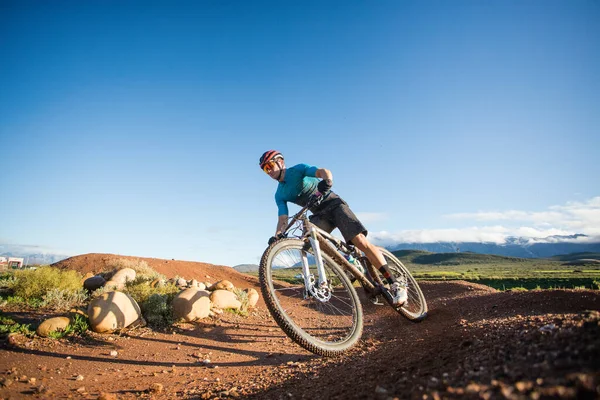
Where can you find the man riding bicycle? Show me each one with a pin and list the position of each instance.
(298, 184)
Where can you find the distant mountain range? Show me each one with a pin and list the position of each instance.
(244, 268)
(513, 247)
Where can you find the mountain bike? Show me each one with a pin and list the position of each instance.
(307, 281)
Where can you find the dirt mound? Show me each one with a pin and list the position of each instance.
(97, 262)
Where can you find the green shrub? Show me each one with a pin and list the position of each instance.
(155, 302)
(141, 290)
(243, 298)
(78, 326)
(8, 325)
(141, 268)
(157, 310)
(35, 284)
(61, 299)
(7, 280)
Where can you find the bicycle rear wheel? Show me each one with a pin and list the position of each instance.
(415, 308)
(325, 320)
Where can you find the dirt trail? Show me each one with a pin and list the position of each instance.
(476, 343)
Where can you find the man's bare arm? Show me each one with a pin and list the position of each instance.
(324, 174)
(281, 224)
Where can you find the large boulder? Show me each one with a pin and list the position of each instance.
(112, 311)
(94, 282)
(191, 304)
(53, 325)
(252, 297)
(225, 299)
(223, 285)
(124, 275)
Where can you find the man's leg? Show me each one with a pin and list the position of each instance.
(398, 292)
(370, 250)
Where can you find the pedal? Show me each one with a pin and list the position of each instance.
(376, 300)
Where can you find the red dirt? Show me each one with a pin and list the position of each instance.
(475, 343)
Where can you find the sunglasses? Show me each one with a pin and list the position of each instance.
(269, 166)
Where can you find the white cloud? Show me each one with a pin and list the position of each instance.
(562, 220)
(573, 217)
(494, 234)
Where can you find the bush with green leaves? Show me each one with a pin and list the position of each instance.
(141, 268)
(140, 289)
(157, 310)
(78, 326)
(7, 280)
(243, 298)
(155, 302)
(8, 325)
(61, 299)
(33, 284)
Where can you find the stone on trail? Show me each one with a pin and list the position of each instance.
(112, 311)
(52, 325)
(191, 304)
(225, 299)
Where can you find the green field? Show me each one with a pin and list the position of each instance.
(505, 272)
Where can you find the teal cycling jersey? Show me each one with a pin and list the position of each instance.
(299, 183)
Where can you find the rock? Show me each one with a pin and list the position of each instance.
(225, 299)
(94, 282)
(252, 297)
(223, 285)
(112, 311)
(191, 304)
(77, 311)
(107, 396)
(124, 275)
(156, 388)
(112, 285)
(197, 285)
(181, 282)
(52, 325)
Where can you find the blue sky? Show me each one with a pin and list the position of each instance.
(135, 128)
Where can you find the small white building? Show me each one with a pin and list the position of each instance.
(11, 262)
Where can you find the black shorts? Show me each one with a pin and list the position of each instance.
(335, 213)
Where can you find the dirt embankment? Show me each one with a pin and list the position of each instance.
(95, 263)
(475, 343)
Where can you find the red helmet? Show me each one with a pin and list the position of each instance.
(269, 156)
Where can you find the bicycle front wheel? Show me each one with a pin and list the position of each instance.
(415, 308)
(325, 319)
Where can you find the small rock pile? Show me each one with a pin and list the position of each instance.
(115, 309)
